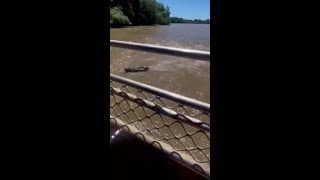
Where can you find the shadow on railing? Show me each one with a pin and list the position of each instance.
(177, 125)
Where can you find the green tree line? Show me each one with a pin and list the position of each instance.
(138, 12)
(189, 21)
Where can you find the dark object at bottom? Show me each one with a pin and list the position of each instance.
(132, 159)
(137, 69)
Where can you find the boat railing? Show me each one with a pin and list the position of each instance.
(175, 124)
(188, 53)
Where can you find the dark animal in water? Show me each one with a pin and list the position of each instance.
(137, 69)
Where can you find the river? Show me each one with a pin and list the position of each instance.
(183, 76)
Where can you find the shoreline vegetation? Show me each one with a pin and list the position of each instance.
(189, 21)
(144, 12)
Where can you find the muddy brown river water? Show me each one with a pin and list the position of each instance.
(183, 76)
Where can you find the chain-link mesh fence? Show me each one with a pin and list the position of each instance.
(177, 125)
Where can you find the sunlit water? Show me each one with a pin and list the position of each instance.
(183, 76)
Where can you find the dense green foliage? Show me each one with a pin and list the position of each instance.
(138, 12)
(196, 21)
(118, 18)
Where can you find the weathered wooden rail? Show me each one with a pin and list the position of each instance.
(175, 124)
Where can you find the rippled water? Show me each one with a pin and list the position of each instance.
(180, 75)
(183, 76)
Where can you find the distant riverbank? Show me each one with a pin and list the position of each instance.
(131, 26)
(173, 20)
(189, 21)
(144, 12)
(138, 12)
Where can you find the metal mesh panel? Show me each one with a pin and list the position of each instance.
(180, 130)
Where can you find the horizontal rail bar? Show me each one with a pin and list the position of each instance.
(165, 111)
(163, 93)
(187, 53)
